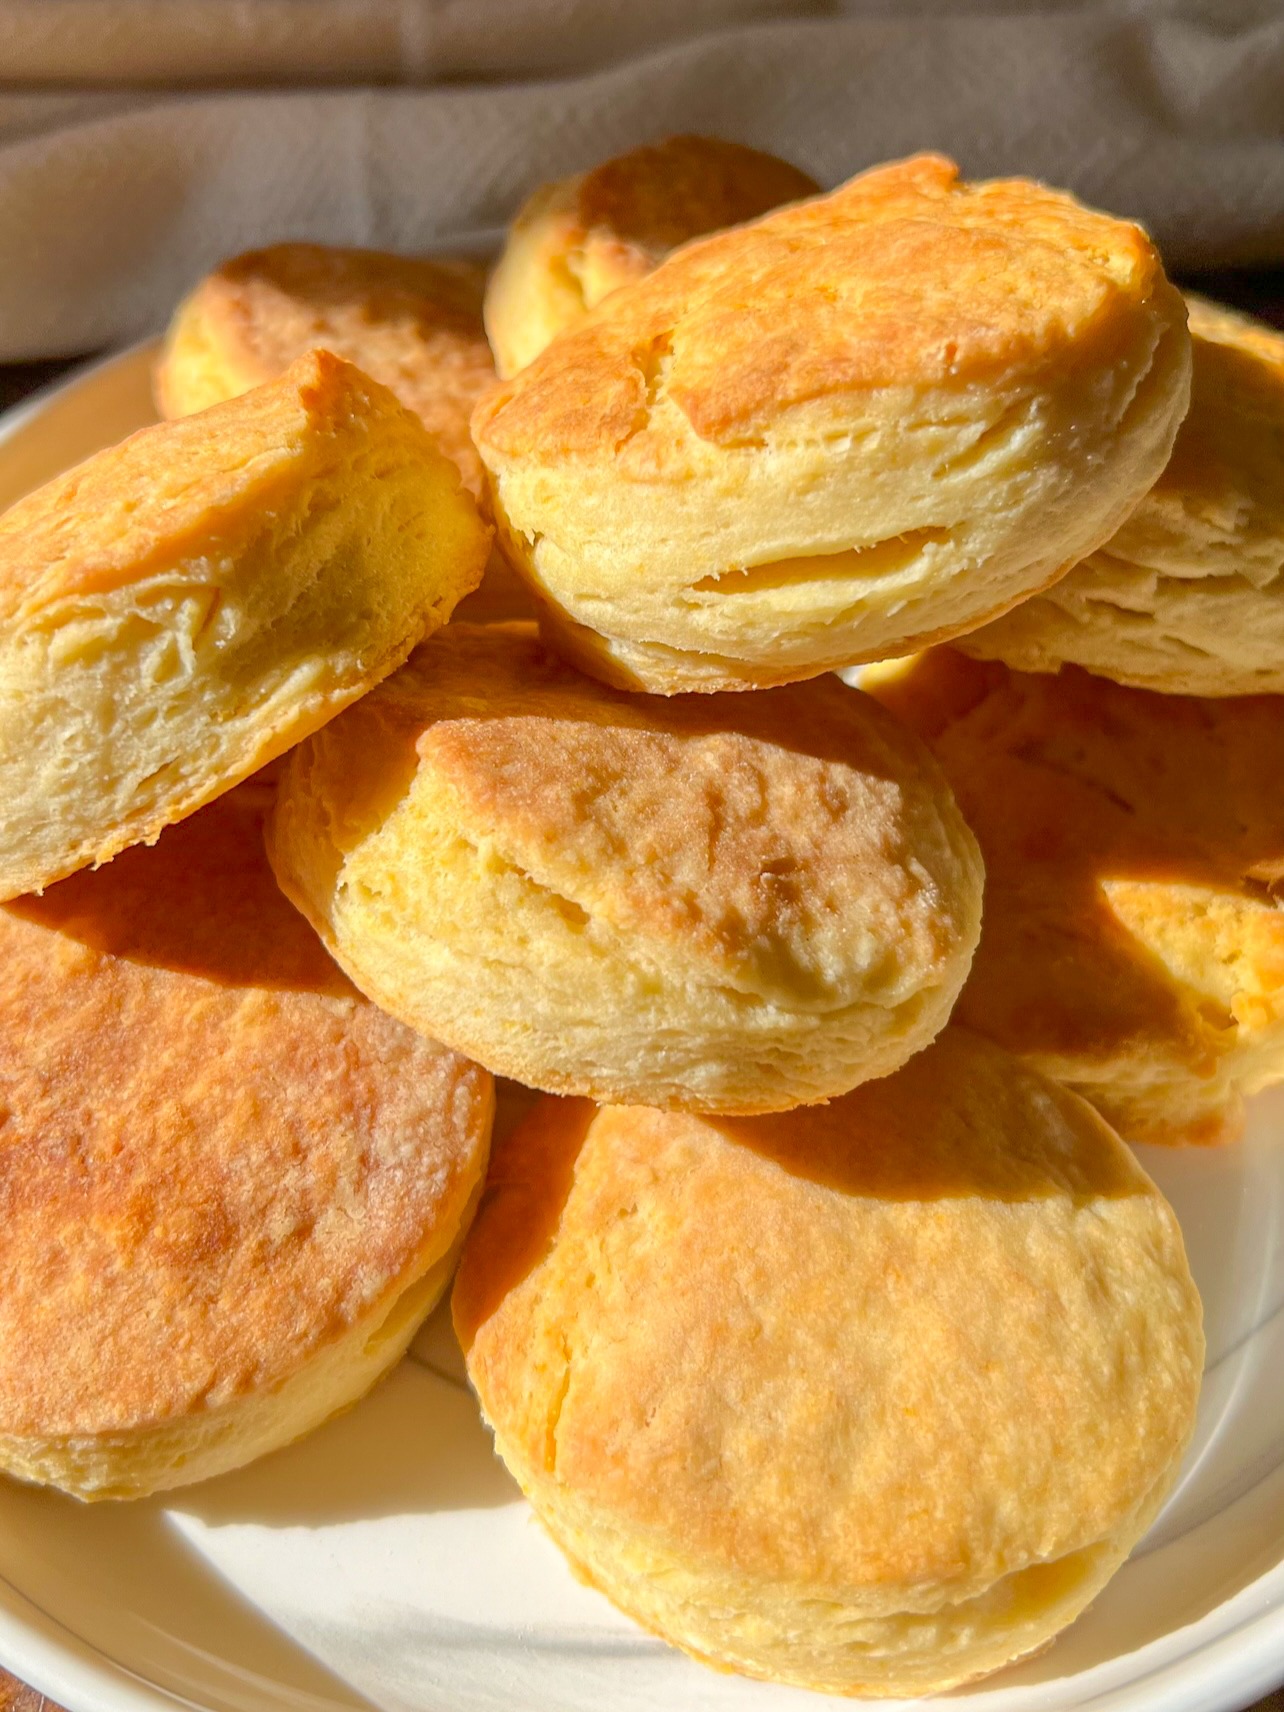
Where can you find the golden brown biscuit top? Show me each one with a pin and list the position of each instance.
(656, 197)
(950, 1296)
(216, 1156)
(905, 276)
(193, 489)
(412, 323)
(1224, 484)
(1097, 809)
(798, 838)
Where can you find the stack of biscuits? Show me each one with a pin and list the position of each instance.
(392, 717)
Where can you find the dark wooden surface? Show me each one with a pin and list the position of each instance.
(1258, 293)
(16, 381)
(16, 1697)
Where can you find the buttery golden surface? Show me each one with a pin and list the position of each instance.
(225, 1177)
(870, 1398)
(413, 324)
(183, 607)
(729, 904)
(1188, 596)
(873, 419)
(576, 241)
(1133, 945)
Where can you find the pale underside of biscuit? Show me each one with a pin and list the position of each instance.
(232, 1187)
(1188, 596)
(184, 607)
(576, 241)
(411, 323)
(738, 908)
(871, 1398)
(1133, 944)
(870, 421)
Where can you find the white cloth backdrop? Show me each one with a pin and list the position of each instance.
(141, 140)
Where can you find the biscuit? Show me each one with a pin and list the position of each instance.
(183, 607)
(412, 324)
(230, 1187)
(871, 1398)
(577, 240)
(875, 419)
(734, 905)
(1133, 945)
(1188, 596)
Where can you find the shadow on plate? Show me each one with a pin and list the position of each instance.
(416, 1445)
(121, 1579)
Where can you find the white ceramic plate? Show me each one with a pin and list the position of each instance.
(389, 1560)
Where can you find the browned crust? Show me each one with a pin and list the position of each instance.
(1072, 783)
(412, 323)
(663, 194)
(793, 1347)
(216, 1156)
(911, 277)
(186, 488)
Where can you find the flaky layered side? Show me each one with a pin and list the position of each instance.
(412, 324)
(1188, 596)
(182, 608)
(871, 1398)
(869, 421)
(734, 905)
(231, 1188)
(1133, 842)
(574, 242)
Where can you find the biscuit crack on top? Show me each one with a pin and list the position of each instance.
(556, 1404)
(488, 851)
(652, 363)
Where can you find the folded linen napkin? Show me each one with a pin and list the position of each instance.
(113, 199)
(114, 43)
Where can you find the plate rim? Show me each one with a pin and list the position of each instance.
(46, 1654)
(27, 409)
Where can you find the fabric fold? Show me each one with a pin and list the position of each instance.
(113, 202)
